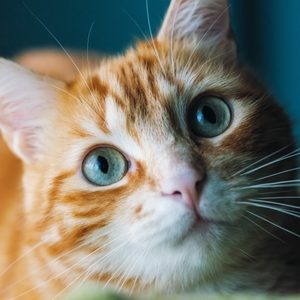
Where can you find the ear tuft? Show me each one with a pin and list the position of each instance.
(205, 21)
(26, 101)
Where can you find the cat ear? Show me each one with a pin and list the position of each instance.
(26, 101)
(205, 21)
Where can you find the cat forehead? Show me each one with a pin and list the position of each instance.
(147, 90)
(133, 87)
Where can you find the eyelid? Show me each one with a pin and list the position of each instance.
(212, 93)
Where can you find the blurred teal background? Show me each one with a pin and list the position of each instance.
(267, 31)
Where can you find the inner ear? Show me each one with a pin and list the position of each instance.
(27, 104)
(205, 21)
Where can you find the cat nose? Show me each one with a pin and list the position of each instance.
(185, 187)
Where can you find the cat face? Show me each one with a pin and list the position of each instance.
(135, 171)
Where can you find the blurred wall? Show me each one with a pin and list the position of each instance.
(268, 33)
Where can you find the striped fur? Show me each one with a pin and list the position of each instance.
(128, 236)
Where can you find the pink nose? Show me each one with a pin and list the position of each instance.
(185, 186)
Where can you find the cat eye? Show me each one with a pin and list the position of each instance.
(104, 166)
(209, 116)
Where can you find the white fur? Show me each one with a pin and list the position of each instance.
(25, 98)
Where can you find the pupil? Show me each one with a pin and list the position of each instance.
(102, 164)
(209, 114)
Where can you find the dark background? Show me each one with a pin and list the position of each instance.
(267, 31)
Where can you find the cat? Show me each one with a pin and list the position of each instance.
(167, 169)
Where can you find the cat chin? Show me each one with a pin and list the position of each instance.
(195, 259)
(176, 255)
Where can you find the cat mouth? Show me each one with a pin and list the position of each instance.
(201, 220)
(202, 224)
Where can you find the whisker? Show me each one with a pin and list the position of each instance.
(143, 254)
(124, 278)
(284, 211)
(277, 192)
(276, 203)
(278, 173)
(52, 35)
(274, 224)
(269, 185)
(152, 39)
(283, 197)
(90, 267)
(280, 182)
(172, 38)
(258, 161)
(62, 47)
(74, 97)
(97, 262)
(136, 24)
(56, 260)
(285, 157)
(66, 92)
(246, 254)
(67, 270)
(9, 267)
(285, 183)
(88, 45)
(116, 271)
(263, 229)
(131, 291)
(53, 277)
(212, 59)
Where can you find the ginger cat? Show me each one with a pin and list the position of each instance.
(167, 169)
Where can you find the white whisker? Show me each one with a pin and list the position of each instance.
(258, 161)
(280, 182)
(274, 224)
(283, 197)
(88, 45)
(172, 38)
(276, 203)
(124, 278)
(278, 173)
(263, 229)
(212, 59)
(20, 258)
(284, 211)
(117, 271)
(136, 24)
(97, 262)
(288, 156)
(152, 39)
(65, 92)
(62, 47)
(68, 269)
(56, 260)
(269, 186)
(277, 192)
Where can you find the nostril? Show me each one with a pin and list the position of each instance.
(198, 185)
(178, 193)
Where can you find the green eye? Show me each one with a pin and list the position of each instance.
(104, 166)
(209, 116)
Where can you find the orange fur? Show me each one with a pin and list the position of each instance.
(65, 219)
(54, 63)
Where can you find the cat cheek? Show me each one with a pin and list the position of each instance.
(219, 200)
(140, 213)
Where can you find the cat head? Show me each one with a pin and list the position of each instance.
(136, 170)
